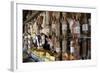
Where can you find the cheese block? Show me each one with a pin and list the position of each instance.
(47, 55)
(52, 58)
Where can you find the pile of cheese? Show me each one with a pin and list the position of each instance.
(44, 55)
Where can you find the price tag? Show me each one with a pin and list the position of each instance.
(85, 27)
(57, 50)
(72, 50)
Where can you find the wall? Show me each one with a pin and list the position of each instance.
(5, 35)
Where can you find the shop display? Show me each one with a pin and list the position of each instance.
(54, 36)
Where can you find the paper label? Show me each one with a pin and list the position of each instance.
(85, 27)
(72, 49)
(57, 50)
